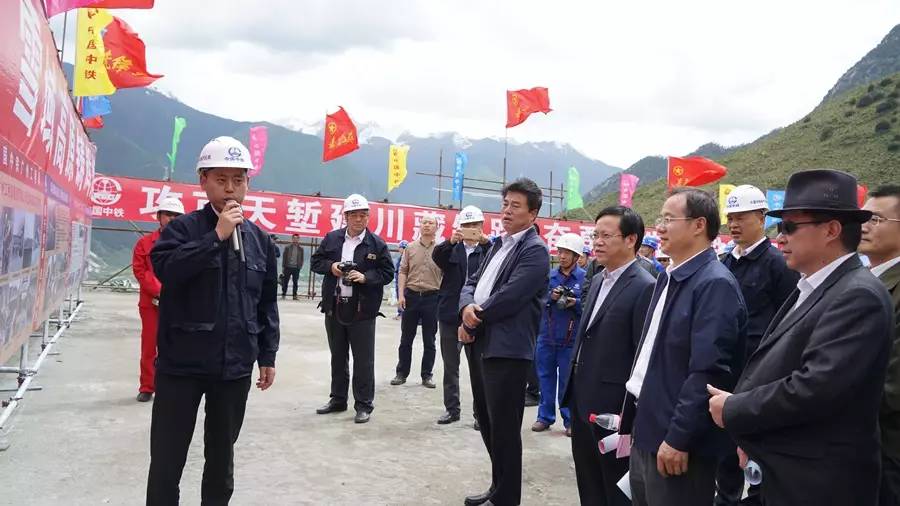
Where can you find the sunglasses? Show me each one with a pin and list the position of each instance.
(789, 227)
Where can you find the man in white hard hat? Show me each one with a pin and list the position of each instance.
(356, 264)
(148, 303)
(766, 282)
(556, 335)
(458, 258)
(218, 316)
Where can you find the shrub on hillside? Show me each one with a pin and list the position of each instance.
(886, 81)
(882, 126)
(807, 119)
(871, 88)
(849, 113)
(869, 99)
(885, 106)
(893, 94)
(826, 133)
(893, 147)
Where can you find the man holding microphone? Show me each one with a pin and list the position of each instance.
(218, 315)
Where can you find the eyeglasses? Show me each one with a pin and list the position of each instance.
(605, 237)
(789, 227)
(665, 222)
(876, 220)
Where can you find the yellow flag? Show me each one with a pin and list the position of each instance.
(397, 166)
(724, 191)
(91, 78)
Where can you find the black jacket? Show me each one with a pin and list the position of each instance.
(512, 312)
(374, 260)
(766, 282)
(216, 315)
(605, 348)
(456, 268)
(806, 405)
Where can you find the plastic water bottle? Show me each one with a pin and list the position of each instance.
(608, 421)
(753, 473)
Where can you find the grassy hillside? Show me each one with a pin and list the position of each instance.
(857, 132)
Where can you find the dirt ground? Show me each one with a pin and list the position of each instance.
(84, 439)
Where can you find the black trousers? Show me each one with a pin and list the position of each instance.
(595, 473)
(424, 309)
(697, 487)
(889, 494)
(498, 388)
(358, 337)
(450, 347)
(294, 275)
(532, 384)
(172, 427)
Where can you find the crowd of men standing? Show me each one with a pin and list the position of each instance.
(783, 360)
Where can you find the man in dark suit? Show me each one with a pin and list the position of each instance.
(881, 243)
(501, 307)
(605, 344)
(694, 335)
(806, 406)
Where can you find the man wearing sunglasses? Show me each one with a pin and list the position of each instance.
(806, 406)
(881, 243)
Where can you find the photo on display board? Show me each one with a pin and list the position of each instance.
(6, 223)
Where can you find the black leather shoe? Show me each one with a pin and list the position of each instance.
(476, 500)
(476, 426)
(144, 397)
(532, 400)
(362, 417)
(428, 382)
(398, 380)
(448, 418)
(331, 406)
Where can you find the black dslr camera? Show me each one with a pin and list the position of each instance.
(345, 268)
(565, 293)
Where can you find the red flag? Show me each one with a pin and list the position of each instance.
(340, 135)
(55, 7)
(521, 103)
(694, 171)
(126, 62)
(861, 191)
(95, 122)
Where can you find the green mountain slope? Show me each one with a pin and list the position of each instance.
(856, 132)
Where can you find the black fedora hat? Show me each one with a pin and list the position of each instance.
(823, 190)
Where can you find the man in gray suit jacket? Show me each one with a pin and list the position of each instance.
(806, 406)
(605, 345)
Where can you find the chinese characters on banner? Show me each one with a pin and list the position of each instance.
(124, 198)
(46, 170)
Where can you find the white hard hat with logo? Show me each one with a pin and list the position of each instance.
(224, 152)
(171, 204)
(355, 202)
(571, 242)
(745, 198)
(470, 214)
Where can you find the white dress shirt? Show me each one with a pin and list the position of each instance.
(492, 269)
(350, 244)
(807, 284)
(881, 269)
(609, 280)
(636, 381)
(738, 254)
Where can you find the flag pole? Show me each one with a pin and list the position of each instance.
(505, 149)
(440, 169)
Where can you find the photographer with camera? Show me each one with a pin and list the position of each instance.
(559, 323)
(356, 265)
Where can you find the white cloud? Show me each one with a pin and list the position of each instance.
(626, 79)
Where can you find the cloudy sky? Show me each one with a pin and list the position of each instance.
(626, 79)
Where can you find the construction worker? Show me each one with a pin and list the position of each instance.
(556, 337)
(291, 265)
(648, 251)
(766, 282)
(218, 315)
(148, 303)
(356, 264)
(585, 257)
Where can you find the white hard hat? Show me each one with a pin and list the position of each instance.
(355, 202)
(470, 214)
(745, 198)
(571, 242)
(224, 152)
(171, 204)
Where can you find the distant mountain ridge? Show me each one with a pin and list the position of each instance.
(880, 62)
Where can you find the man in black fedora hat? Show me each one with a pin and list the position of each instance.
(806, 406)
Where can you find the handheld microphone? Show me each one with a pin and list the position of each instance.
(237, 242)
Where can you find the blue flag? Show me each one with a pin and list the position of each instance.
(461, 161)
(776, 202)
(91, 107)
